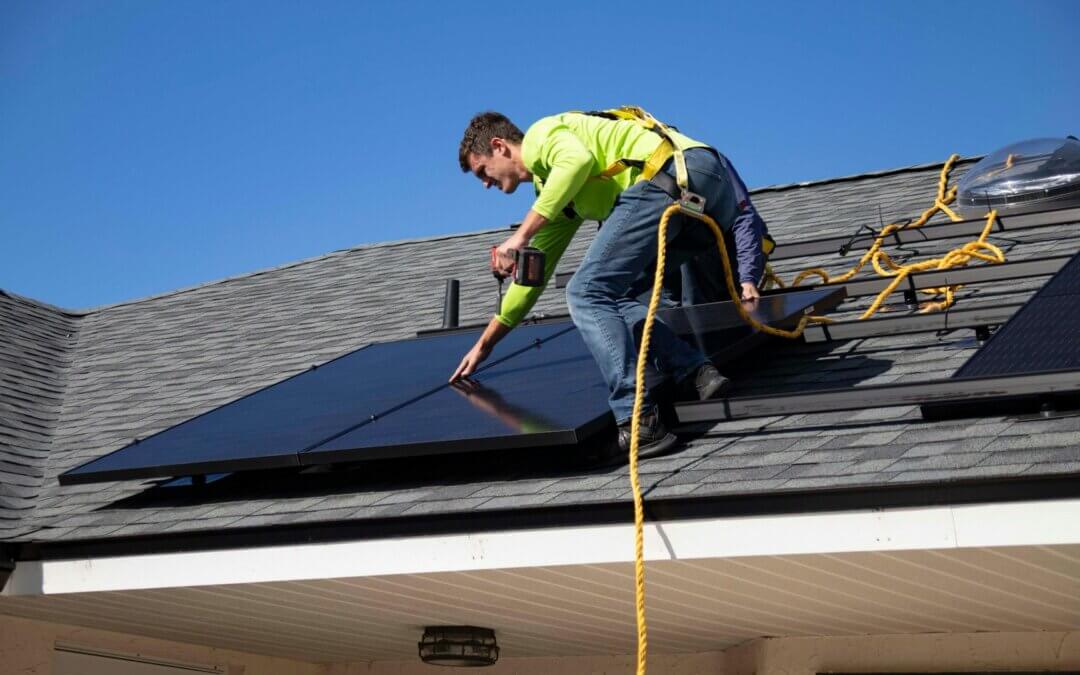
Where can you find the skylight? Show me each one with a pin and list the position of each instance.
(1037, 174)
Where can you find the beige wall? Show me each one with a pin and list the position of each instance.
(26, 649)
(805, 656)
(678, 664)
(919, 653)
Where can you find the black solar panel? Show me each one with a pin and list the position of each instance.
(549, 394)
(540, 387)
(267, 429)
(1043, 335)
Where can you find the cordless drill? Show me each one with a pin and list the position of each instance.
(528, 269)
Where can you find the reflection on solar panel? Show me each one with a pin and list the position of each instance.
(549, 394)
(540, 387)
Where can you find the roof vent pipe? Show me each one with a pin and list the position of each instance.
(450, 304)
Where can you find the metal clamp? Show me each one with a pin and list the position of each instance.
(692, 203)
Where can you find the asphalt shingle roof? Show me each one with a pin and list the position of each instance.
(36, 343)
(139, 367)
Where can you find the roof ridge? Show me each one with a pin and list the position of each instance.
(444, 237)
(72, 313)
(283, 266)
(859, 176)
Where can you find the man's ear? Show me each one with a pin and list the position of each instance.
(499, 146)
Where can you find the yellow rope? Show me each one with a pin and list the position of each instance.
(639, 392)
(882, 264)
(886, 267)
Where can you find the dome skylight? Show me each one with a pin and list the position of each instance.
(1033, 175)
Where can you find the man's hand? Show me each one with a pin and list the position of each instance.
(472, 361)
(750, 292)
(504, 254)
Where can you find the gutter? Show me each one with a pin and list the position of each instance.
(1038, 522)
(801, 501)
(1048, 516)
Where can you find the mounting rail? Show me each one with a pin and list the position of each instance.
(983, 393)
(953, 319)
(964, 228)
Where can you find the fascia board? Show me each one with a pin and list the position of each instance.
(1037, 523)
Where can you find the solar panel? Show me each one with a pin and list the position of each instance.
(549, 394)
(540, 387)
(268, 428)
(718, 330)
(1043, 336)
(546, 395)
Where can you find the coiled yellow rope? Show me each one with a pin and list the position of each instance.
(881, 263)
(886, 267)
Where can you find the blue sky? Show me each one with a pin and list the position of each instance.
(146, 146)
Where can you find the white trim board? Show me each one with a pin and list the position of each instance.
(1041, 523)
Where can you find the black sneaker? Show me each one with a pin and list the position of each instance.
(653, 438)
(704, 384)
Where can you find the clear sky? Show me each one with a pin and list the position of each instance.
(146, 146)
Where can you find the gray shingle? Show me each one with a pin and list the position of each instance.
(36, 346)
(76, 385)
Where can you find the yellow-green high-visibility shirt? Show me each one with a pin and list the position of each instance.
(566, 154)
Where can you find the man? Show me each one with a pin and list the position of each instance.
(564, 156)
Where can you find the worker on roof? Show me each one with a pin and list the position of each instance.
(565, 156)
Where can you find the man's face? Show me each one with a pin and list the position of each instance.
(499, 169)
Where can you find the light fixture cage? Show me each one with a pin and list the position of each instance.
(461, 646)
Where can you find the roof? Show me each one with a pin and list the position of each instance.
(36, 341)
(81, 385)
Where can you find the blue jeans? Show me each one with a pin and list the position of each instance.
(602, 295)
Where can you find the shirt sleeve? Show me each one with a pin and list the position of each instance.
(748, 230)
(569, 163)
(552, 239)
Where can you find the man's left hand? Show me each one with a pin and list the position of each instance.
(750, 292)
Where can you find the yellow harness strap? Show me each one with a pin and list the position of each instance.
(658, 158)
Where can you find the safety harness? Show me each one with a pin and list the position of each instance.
(651, 169)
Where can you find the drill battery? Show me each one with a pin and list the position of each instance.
(528, 266)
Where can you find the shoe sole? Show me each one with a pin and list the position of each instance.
(657, 448)
(715, 388)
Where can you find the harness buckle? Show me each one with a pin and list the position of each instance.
(692, 203)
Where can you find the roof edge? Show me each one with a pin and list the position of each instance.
(70, 313)
(857, 530)
(285, 266)
(783, 187)
(791, 501)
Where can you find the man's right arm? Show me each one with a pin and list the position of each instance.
(494, 332)
(552, 239)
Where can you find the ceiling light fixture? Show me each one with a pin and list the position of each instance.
(463, 646)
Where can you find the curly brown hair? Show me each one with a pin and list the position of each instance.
(482, 128)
